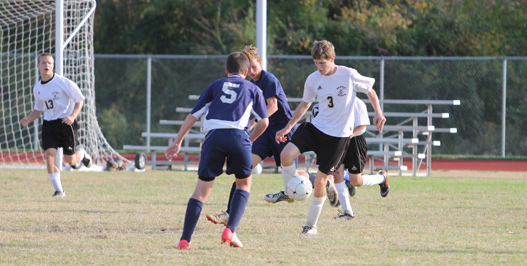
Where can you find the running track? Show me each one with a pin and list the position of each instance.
(437, 164)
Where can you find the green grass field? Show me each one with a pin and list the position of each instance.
(128, 218)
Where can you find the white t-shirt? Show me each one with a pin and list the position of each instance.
(336, 95)
(361, 115)
(57, 97)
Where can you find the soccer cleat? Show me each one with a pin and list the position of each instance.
(309, 230)
(183, 244)
(385, 188)
(351, 188)
(86, 159)
(231, 238)
(222, 218)
(331, 192)
(59, 194)
(277, 197)
(344, 216)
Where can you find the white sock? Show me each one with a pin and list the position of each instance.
(344, 198)
(314, 211)
(370, 180)
(287, 173)
(55, 180)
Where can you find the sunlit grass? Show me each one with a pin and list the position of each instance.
(128, 218)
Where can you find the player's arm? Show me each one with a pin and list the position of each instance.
(378, 119)
(357, 130)
(30, 118)
(272, 107)
(76, 111)
(300, 110)
(260, 128)
(174, 148)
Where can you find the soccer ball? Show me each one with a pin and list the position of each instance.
(257, 169)
(299, 188)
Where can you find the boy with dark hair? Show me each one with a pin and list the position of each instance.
(227, 104)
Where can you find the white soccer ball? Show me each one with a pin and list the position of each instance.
(258, 169)
(299, 188)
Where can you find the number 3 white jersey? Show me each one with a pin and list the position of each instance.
(336, 95)
(56, 97)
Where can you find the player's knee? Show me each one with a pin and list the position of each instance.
(356, 180)
(338, 178)
(289, 154)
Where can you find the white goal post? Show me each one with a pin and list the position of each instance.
(27, 29)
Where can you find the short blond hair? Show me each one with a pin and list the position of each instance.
(44, 55)
(252, 53)
(323, 50)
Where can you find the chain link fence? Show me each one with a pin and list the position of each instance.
(490, 120)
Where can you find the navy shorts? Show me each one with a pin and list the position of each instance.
(220, 145)
(56, 134)
(355, 158)
(329, 150)
(266, 146)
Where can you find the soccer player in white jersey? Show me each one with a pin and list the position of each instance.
(227, 104)
(354, 162)
(329, 133)
(61, 101)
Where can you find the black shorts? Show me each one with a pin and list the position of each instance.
(329, 149)
(355, 158)
(56, 134)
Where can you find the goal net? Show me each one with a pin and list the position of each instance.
(27, 29)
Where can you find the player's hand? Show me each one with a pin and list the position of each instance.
(24, 122)
(281, 136)
(172, 151)
(68, 120)
(379, 120)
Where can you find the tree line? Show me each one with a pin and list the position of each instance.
(356, 27)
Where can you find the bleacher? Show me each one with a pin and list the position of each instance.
(406, 139)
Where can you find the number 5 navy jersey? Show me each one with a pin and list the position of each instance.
(228, 103)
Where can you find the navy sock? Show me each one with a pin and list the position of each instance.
(239, 201)
(233, 188)
(194, 208)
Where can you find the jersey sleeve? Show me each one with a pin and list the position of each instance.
(361, 83)
(271, 88)
(309, 90)
(203, 103)
(73, 91)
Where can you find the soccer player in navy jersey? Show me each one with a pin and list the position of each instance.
(61, 101)
(279, 114)
(227, 104)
